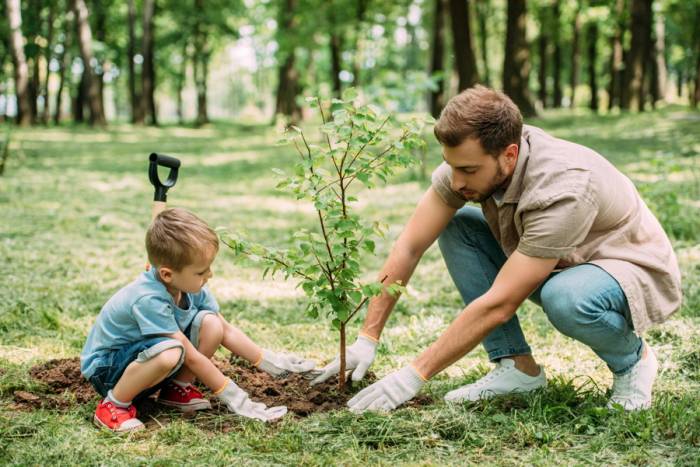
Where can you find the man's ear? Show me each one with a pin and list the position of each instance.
(165, 274)
(511, 155)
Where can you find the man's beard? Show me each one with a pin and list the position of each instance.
(499, 181)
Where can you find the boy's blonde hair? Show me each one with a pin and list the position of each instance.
(177, 238)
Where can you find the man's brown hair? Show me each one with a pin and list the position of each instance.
(177, 238)
(482, 113)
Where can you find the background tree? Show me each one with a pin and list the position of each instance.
(516, 66)
(640, 47)
(437, 55)
(84, 36)
(462, 42)
(14, 14)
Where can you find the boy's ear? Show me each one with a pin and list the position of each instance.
(165, 274)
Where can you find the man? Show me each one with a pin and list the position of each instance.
(558, 224)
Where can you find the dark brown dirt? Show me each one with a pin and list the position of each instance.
(65, 388)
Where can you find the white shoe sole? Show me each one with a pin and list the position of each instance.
(203, 405)
(98, 423)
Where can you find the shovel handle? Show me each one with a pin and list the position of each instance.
(161, 187)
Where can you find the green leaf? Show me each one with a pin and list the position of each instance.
(349, 94)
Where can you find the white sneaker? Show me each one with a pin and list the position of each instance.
(504, 379)
(633, 390)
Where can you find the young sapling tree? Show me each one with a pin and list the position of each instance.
(358, 144)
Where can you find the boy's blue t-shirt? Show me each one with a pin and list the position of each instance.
(142, 308)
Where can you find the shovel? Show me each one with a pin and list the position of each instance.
(160, 195)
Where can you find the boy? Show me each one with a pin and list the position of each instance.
(160, 331)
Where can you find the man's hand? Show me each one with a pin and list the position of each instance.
(237, 401)
(358, 357)
(280, 365)
(389, 392)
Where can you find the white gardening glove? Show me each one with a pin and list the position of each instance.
(358, 357)
(389, 392)
(237, 401)
(280, 365)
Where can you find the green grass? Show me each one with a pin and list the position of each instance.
(75, 203)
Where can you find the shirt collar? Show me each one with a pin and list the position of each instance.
(515, 187)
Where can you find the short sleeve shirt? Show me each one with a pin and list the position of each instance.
(141, 309)
(566, 201)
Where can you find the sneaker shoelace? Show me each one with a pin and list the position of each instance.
(115, 411)
(499, 370)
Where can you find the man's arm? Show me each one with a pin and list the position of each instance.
(429, 219)
(518, 278)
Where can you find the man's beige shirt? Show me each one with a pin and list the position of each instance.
(566, 201)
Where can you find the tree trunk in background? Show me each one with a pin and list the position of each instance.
(199, 66)
(14, 14)
(79, 100)
(575, 53)
(695, 98)
(335, 46)
(437, 96)
(97, 116)
(635, 67)
(64, 64)
(462, 43)
(361, 12)
(34, 87)
(134, 98)
(616, 58)
(660, 57)
(542, 45)
(47, 55)
(516, 66)
(182, 77)
(148, 72)
(482, 12)
(556, 65)
(101, 36)
(591, 40)
(288, 87)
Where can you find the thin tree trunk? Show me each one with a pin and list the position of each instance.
(436, 99)
(97, 116)
(360, 12)
(592, 40)
(542, 46)
(148, 79)
(79, 100)
(199, 66)
(695, 98)
(462, 43)
(575, 53)
(288, 76)
(64, 64)
(335, 46)
(14, 14)
(516, 66)
(482, 12)
(47, 54)
(616, 58)
(556, 58)
(181, 83)
(134, 98)
(635, 68)
(660, 53)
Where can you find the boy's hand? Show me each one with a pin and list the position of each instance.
(280, 365)
(237, 401)
(358, 357)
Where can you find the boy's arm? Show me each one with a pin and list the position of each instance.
(275, 364)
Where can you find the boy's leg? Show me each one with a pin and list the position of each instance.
(132, 372)
(586, 303)
(205, 332)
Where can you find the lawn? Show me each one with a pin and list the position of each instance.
(75, 203)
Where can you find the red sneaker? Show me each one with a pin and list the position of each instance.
(187, 399)
(115, 418)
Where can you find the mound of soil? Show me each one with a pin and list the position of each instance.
(65, 388)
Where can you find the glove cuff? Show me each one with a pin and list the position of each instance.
(411, 377)
(367, 341)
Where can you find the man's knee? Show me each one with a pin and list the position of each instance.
(464, 221)
(563, 307)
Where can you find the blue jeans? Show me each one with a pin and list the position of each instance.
(112, 365)
(583, 302)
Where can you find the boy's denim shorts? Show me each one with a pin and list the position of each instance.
(112, 365)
